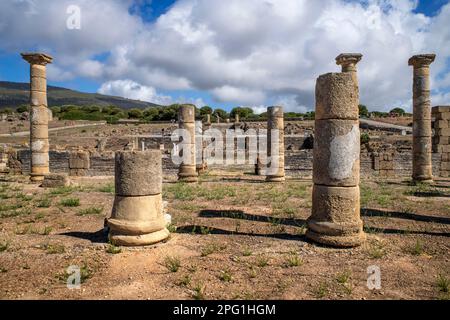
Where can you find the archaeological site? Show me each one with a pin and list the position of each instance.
(141, 192)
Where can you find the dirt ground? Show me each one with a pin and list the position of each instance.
(233, 237)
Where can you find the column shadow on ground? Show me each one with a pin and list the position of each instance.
(95, 237)
(241, 215)
(365, 212)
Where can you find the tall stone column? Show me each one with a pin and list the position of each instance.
(39, 143)
(335, 218)
(137, 216)
(275, 122)
(348, 62)
(186, 121)
(422, 132)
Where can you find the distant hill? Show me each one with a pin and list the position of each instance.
(13, 94)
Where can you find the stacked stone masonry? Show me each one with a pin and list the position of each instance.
(137, 216)
(441, 139)
(335, 218)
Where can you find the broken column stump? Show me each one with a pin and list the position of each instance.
(137, 216)
(335, 218)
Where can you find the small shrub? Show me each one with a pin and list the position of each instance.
(173, 264)
(199, 292)
(185, 281)
(70, 202)
(112, 249)
(90, 211)
(443, 283)
(55, 248)
(4, 246)
(225, 276)
(293, 260)
(262, 261)
(109, 188)
(343, 277)
(44, 203)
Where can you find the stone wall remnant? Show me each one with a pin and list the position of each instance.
(441, 139)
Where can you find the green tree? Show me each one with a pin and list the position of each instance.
(363, 111)
(243, 112)
(221, 113)
(151, 114)
(206, 110)
(23, 108)
(398, 111)
(135, 114)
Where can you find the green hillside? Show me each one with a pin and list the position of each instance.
(14, 94)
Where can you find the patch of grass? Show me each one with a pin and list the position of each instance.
(172, 264)
(44, 203)
(376, 251)
(225, 276)
(247, 252)
(199, 292)
(321, 291)
(252, 273)
(417, 249)
(24, 197)
(262, 261)
(4, 245)
(211, 248)
(43, 232)
(63, 191)
(55, 248)
(70, 202)
(217, 192)
(293, 260)
(108, 188)
(443, 283)
(343, 277)
(172, 228)
(185, 281)
(112, 249)
(205, 230)
(180, 191)
(90, 211)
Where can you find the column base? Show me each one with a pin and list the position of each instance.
(139, 240)
(349, 241)
(36, 178)
(339, 235)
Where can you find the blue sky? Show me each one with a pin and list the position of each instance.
(226, 94)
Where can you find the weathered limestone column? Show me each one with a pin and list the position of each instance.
(137, 215)
(39, 143)
(335, 218)
(275, 122)
(422, 132)
(186, 121)
(348, 61)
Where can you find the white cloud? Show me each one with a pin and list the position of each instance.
(132, 90)
(249, 52)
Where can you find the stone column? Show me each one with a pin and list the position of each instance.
(39, 143)
(335, 218)
(422, 133)
(186, 121)
(137, 215)
(275, 122)
(236, 118)
(348, 62)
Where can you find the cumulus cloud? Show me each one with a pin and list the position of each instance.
(249, 52)
(132, 90)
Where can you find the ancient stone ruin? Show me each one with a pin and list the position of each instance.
(335, 218)
(441, 139)
(275, 123)
(186, 121)
(422, 133)
(39, 144)
(137, 216)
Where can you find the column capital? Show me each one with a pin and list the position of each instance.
(37, 58)
(421, 60)
(346, 59)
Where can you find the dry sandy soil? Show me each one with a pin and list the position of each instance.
(233, 238)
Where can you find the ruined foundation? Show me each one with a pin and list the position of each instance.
(441, 139)
(137, 215)
(39, 143)
(335, 218)
(422, 133)
(275, 124)
(186, 121)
